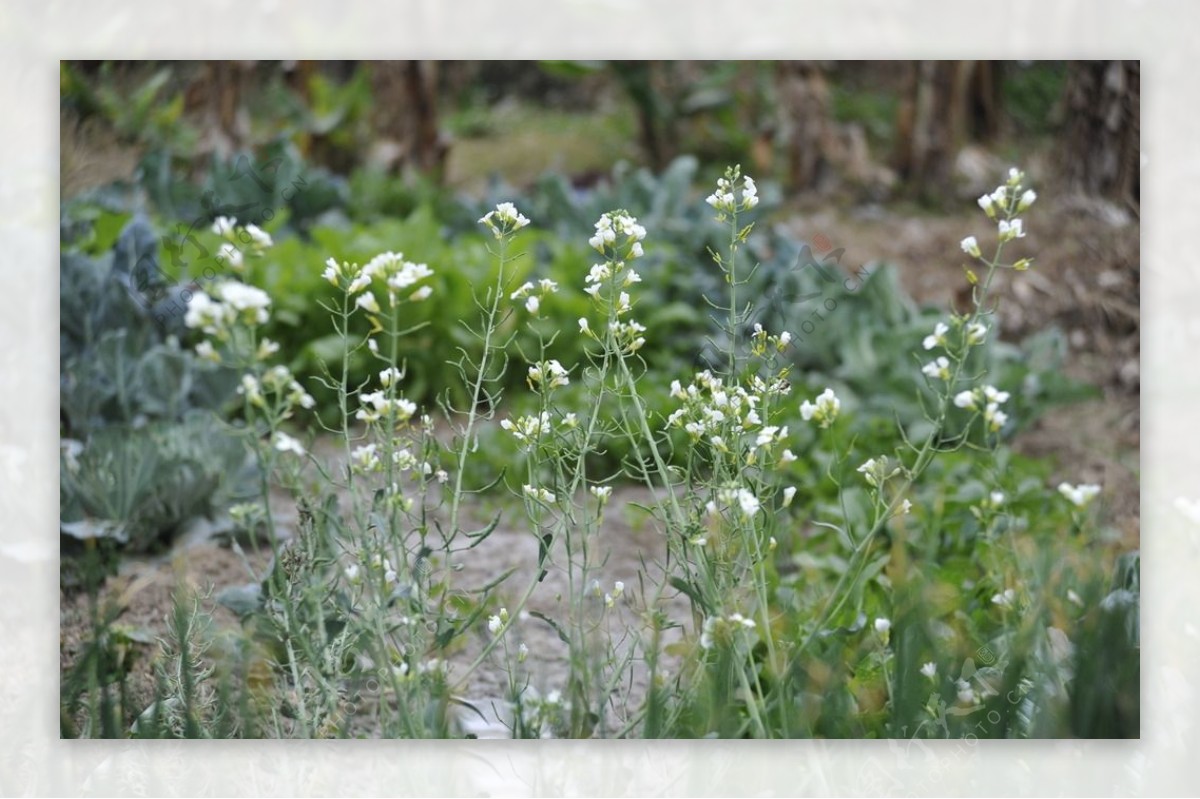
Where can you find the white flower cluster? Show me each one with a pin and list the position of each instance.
(992, 398)
(533, 294)
(876, 471)
(715, 410)
(724, 199)
(938, 368)
(974, 333)
(539, 494)
(718, 629)
(377, 406)
(1079, 495)
(1003, 204)
(504, 220)
(619, 236)
(742, 498)
(549, 373)
(231, 303)
(366, 459)
(239, 240)
(760, 340)
(601, 493)
(278, 382)
(824, 410)
(498, 622)
(528, 429)
(398, 276)
(285, 443)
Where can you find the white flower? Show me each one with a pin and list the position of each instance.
(389, 376)
(601, 493)
(583, 326)
(747, 502)
(824, 410)
(1079, 495)
(249, 302)
(965, 399)
(205, 351)
(1005, 599)
(494, 624)
(365, 459)
(869, 470)
(259, 237)
(551, 372)
(738, 618)
(539, 494)
(706, 633)
(787, 457)
(985, 202)
(266, 348)
(441, 475)
(362, 281)
(351, 572)
(882, 625)
(789, 494)
(332, 271)
(422, 293)
(938, 337)
(929, 669)
(251, 389)
(976, 332)
(532, 304)
(970, 246)
(749, 192)
(939, 368)
(769, 435)
(285, 443)
(504, 221)
(1011, 230)
(522, 653)
(367, 302)
(522, 291)
(996, 498)
(965, 694)
(230, 255)
(223, 226)
(1027, 199)
(995, 417)
(905, 507)
(995, 395)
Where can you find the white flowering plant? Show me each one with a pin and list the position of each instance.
(818, 570)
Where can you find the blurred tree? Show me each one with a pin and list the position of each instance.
(806, 129)
(943, 103)
(1101, 138)
(405, 114)
(657, 116)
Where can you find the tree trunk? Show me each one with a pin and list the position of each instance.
(405, 114)
(805, 129)
(1101, 139)
(657, 123)
(930, 124)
